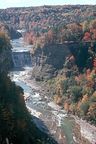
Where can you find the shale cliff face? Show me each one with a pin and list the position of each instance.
(52, 58)
(48, 60)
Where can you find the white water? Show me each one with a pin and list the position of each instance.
(21, 53)
(35, 103)
(50, 113)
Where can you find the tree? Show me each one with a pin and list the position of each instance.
(93, 24)
(84, 107)
(86, 25)
(76, 31)
(92, 113)
(76, 93)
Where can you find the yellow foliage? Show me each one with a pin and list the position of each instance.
(73, 108)
(84, 99)
(94, 94)
(59, 91)
(78, 105)
(66, 106)
(59, 88)
(92, 110)
(5, 37)
(58, 99)
(93, 106)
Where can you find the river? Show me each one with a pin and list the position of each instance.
(59, 126)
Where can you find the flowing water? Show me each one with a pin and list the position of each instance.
(39, 106)
(21, 54)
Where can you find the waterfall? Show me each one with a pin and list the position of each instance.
(21, 59)
(21, 54)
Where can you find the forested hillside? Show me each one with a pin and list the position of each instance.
(67, 60)
(41, 19)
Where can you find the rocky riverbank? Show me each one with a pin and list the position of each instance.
(87, 130)
(83, 132)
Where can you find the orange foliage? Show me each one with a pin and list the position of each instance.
(88, 71)
(66, 106)
(88, 74)
(87, 36)
(78, 78)
(30, 37)
(50, 35)
(78, 105)
(84, 99)
(94, 94)
(90, 84)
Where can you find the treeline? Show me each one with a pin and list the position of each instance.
(74, 32)
(42, 18)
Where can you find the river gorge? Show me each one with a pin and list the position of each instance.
(55, 119)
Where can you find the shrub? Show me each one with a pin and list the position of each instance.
(84, 107)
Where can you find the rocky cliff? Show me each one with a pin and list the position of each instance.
(49, 60)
